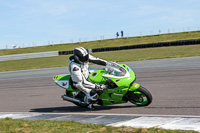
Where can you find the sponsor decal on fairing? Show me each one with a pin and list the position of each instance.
(63, 83)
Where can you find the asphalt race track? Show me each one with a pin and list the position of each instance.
(174, 84)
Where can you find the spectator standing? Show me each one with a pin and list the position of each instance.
(122, 33)
(117, 34)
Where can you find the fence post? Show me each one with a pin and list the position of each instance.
(101, 38)
(127, 36)
(159, 31)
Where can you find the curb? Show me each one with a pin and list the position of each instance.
(171, 122)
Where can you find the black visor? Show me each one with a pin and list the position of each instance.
(84, 58)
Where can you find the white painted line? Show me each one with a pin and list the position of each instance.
(145, 122)
(59, 118)
(95, 118)
(17, 116)
(162, 122)
(106, 114)
(183, 124)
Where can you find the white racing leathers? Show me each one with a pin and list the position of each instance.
(80, 73)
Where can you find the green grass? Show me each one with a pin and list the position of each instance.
(9, 125)
(118, 56)
(107, 43)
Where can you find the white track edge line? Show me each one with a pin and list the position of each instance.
(106, 114)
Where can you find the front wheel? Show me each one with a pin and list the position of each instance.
(140, 97)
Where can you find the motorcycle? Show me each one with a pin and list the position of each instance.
(120, 81)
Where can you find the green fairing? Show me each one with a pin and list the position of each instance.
(123, 82)
(64, 77)
(113, 96)
(134, 87)
(96, 77)
(61, 77)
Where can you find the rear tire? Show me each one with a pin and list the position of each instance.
(81, 105)
(140, 97)
(80, 95)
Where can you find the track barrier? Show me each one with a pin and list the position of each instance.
(151, 45)
(57, 53)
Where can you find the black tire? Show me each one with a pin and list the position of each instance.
(80, 105)
(140, 97)
(69, 93)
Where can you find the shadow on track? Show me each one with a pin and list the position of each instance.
(173, 107)
(68, 109)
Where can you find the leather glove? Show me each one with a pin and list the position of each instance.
(100, 87)
(103, 87)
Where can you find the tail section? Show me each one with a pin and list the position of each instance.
(62, 81)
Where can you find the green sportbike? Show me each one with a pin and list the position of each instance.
(120, 80)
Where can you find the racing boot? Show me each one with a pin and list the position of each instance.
(90, 106)
(90, 98)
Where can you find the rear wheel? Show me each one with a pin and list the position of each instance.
(77, 95)
(140, 97)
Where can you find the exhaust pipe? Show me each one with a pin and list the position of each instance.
(64, 97)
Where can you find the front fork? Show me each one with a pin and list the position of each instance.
(130, 93)
(135, 86)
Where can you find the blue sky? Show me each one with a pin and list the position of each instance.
(40, 22)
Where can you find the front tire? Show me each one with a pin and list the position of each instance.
(140, 97)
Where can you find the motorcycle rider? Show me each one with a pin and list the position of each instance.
(78, 67)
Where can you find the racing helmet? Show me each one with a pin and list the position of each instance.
(81, 55)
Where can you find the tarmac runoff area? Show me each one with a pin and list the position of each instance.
(174, 84)
(171, 122)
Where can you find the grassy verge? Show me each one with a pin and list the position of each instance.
(118, 56)
(43, 126)
(107, 43)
